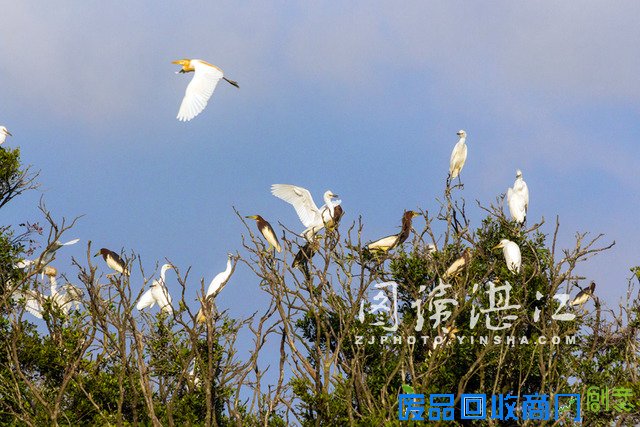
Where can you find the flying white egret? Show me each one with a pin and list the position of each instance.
(267, 231)
(584, 294)
(517, 205)
(205, 79)
(512, 255)
(458, 155)
(3, 134)
(220, 280)
(157, 293)
(387, 243)
(114, 261)
(520, 186)
(311, 217)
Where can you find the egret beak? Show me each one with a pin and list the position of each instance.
(8, 133)
(498, 246)
(334, 196)
(96, 254)
(415, 214)
(251, 217)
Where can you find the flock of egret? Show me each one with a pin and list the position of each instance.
(69, 296)
(198, 92)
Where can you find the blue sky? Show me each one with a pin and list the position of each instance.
(363, 99)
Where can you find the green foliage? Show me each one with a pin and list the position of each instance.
(106, 364)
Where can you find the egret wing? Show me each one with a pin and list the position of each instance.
(31, 302)
(517, 206)
(216, 284)
(458, 157)
(161, 295)
(146, 300)
(513, 257)
(301, 200)
(34, 307)
(199, 90)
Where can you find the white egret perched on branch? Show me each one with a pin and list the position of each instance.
(387, 243)
(311, 217)
(518, 199)
(157, 293)
(113, 260)
(521, 187)
(215, 287)
(517, 206)
(205, 79)
(220, 280)
(458, 155)
(3, 134)
(584, 294)
(267, 231)
(512, 255)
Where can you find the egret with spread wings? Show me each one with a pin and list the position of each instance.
(310, 215)
(205, 79)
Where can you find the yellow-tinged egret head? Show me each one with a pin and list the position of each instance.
(50, 271)
(461, 134)
(186, 65)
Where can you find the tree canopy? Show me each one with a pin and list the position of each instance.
(349, 328)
